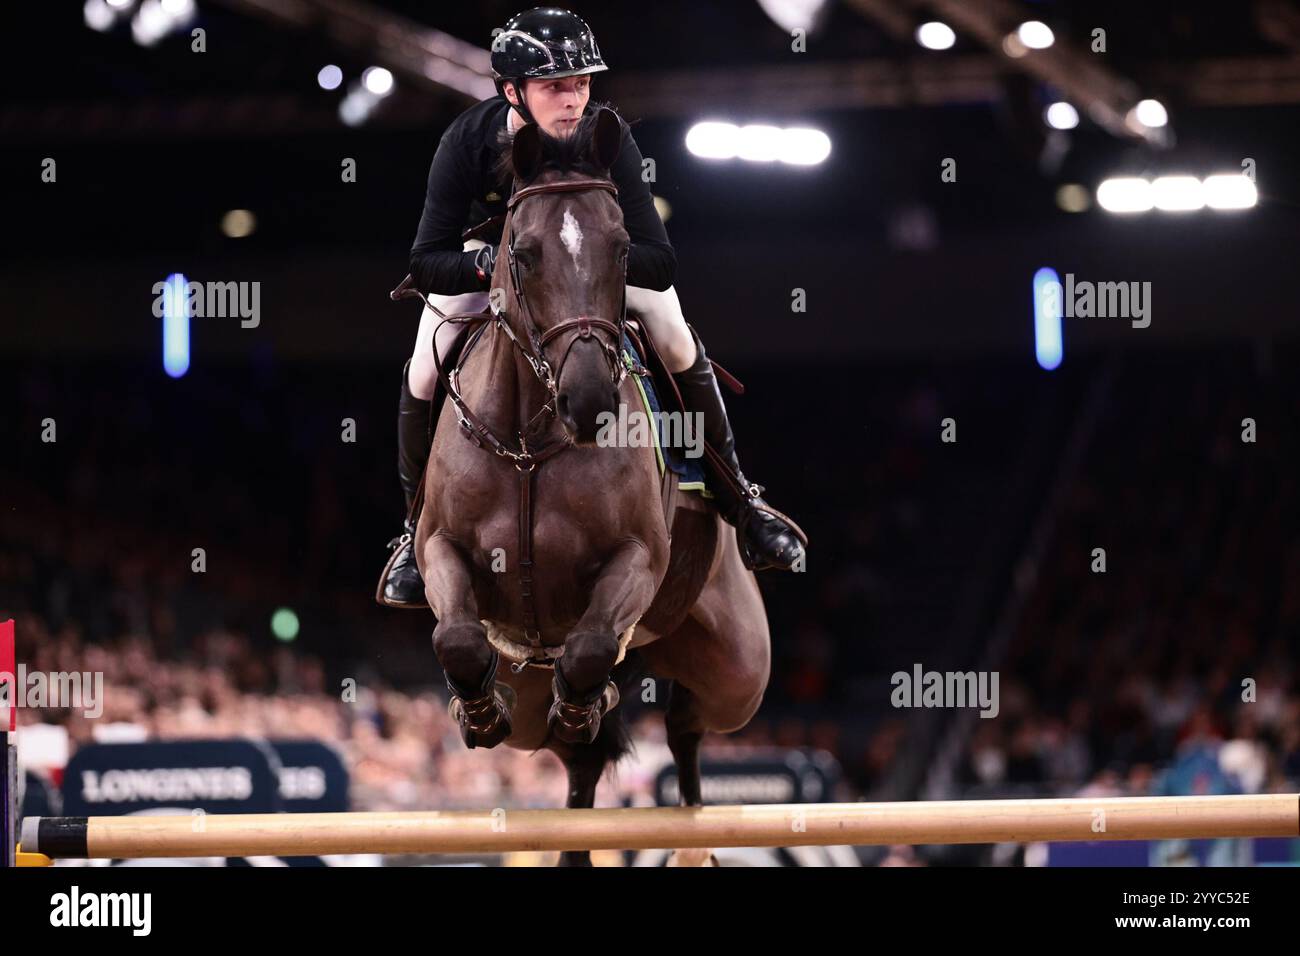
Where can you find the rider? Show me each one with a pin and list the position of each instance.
(542, 62)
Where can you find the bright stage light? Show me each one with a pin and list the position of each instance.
(1061, 115)
(1177, 194)
(1230, 191)
(1125, 194)
(1035, 34)
(935, 36)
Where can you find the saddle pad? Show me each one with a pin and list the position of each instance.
(690, 471)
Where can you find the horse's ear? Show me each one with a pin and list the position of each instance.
(526, 152)
(607, 138)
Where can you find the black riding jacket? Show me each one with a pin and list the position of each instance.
(463, 191)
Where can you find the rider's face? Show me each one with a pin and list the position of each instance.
(557, 105)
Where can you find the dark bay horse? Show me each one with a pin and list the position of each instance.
(539, 546)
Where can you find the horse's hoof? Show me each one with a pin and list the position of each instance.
(484, 721)
(579, 723)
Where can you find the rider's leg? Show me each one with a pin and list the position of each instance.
(416, 420)
(662, 314)
(403, 586)
(765, 537)
(424, 373)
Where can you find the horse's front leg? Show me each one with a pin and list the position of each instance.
(479, 704)
(583, 691)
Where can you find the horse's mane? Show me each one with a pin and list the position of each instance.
(571, 153)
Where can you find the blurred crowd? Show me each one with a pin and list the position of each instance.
(402, 749)
(1177, 670)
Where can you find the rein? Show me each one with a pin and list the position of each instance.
(525, 459)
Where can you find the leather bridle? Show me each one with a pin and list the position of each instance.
(525, 459)
(581, 327)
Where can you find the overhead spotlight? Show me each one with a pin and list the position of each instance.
(1071, 197)
(330, 77)
(120, 4)
(759, 143)
(1125, 194)
(356, 107)
(150, 23)
(180, 11)
(796, 14)
(238, 223)
(804, 147)
(1149, 113)
(1230, 191)
(1061, 115)
(98, 15)
(712, 140)
(1035, 35)
(377, 80)
(935, 35)
(1177, 193)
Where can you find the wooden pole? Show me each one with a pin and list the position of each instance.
(814, 824)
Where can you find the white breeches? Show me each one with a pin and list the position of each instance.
(660, 311)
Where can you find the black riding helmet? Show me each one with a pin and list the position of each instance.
(544, 42)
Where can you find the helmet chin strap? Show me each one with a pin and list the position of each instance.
(522, 107)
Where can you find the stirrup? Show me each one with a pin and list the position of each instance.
(404, 540)
(748, 558)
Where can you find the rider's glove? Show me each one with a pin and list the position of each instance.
(485, 260)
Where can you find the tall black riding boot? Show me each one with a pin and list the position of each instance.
(766, 537)
(402, 586)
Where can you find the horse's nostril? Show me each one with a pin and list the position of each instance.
(562, 406)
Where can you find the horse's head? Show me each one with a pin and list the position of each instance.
(566, 254)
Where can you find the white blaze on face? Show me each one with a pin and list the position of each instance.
(571, 236)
